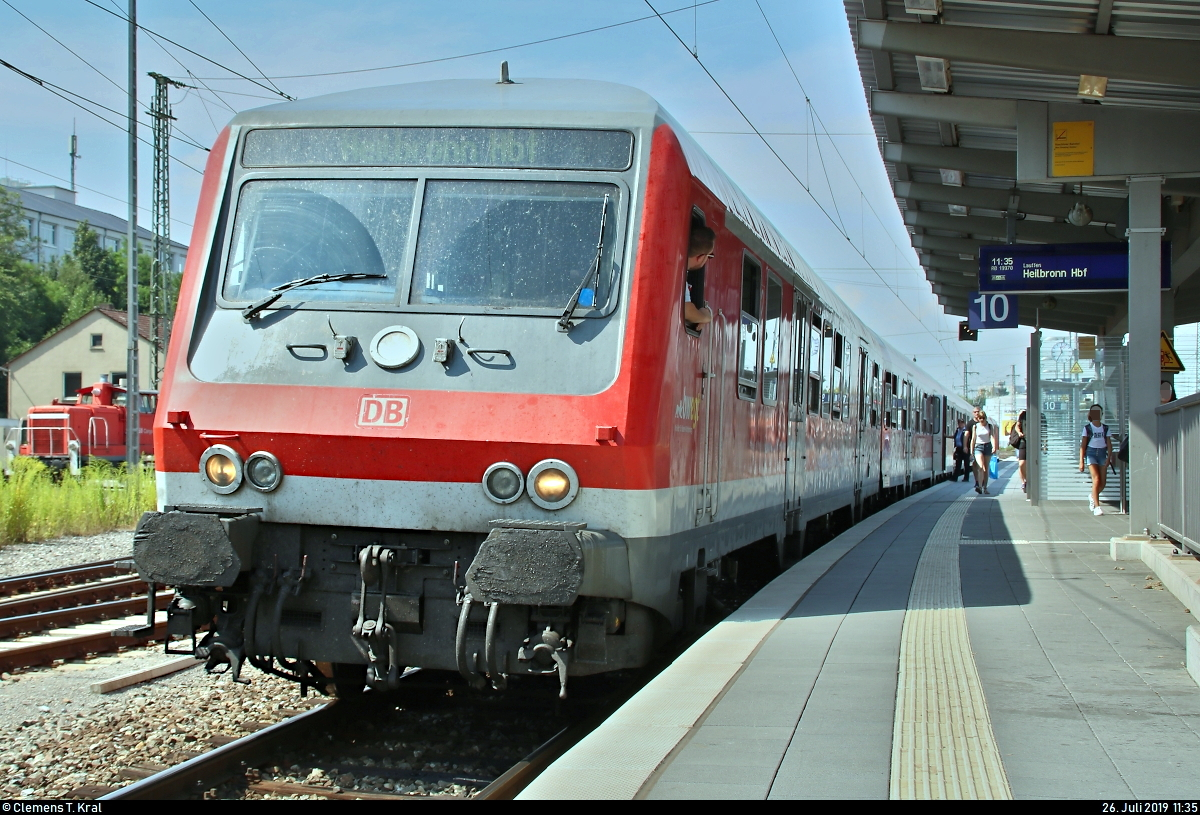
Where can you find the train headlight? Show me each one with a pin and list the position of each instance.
(263, 471)
(553, 484)
(221, 468)
(502, 482)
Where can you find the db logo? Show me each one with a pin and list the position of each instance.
(383, 410)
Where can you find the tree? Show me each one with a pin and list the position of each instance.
(101, 265)
(79, 293)
(31, 303)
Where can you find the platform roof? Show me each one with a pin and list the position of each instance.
(998, 53)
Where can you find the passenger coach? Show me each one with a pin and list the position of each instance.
(430, 399)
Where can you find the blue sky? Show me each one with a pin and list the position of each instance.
(846, 225)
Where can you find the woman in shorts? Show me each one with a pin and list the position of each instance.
(1095, 451)
(1021, 442)
(983, 442)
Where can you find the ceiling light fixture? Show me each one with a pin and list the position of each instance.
(959, 209)
(1092, 87)
(1081, 213)
(934, 73)
(952, 178)
(923, 7)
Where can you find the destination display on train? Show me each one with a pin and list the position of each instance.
(1060, 267)
(535, 148)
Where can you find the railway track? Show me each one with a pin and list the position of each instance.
(241, 757)
(71, 613)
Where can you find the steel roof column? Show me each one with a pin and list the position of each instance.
(1033, 418)
(1145, 307)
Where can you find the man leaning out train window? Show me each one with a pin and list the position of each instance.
(701, 244)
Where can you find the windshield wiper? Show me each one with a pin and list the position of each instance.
(254, 309)
(564, 322)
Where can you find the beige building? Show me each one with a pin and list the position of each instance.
(74, 357)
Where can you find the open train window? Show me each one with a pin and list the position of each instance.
(772, 325)
(905, 405)
(800, 331)
(748, 342)
(815, 341)
(690, 278)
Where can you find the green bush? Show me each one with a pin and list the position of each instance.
(35, 504)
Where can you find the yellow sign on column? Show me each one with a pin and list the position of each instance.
(1074, 149)
(1171, 363)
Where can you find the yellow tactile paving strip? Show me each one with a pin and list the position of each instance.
(943, 746)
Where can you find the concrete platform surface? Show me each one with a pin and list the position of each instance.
(951, 646)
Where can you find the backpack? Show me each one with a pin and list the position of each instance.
(1123, 453)
(1014, 438)
(1092, 432)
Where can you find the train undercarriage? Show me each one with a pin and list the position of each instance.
(366, 604)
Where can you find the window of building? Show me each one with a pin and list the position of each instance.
(72, 382)
(97, 342)
(48, 233)
(68, 238)
(771, 333)
(117, 378)
(748, 362)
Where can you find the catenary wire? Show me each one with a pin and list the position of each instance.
(190, 51)
(109, 79)
(484, 52)
(7, 160)
(63, 94)
(817, 116)
(235, 45)
(789, 169)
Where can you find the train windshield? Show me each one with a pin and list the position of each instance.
(288, 230)
(512, 243)
(497, 244)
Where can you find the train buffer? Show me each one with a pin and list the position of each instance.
(950, 646)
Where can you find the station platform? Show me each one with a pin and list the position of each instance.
(950, 646)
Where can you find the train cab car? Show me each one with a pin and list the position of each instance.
(431, 399)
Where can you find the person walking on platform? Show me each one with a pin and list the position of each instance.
(1019, 433)
(983, 436)
(960, 455)
(1095, 448)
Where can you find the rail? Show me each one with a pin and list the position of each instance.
(1179, 470)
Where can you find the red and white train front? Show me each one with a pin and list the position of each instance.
(430, 400)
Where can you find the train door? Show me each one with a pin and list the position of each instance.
(862, 461)
(797, 426)
(907, 432)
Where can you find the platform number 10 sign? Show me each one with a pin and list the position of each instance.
(991, 311)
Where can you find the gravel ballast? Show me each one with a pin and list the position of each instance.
(59, 553)
(62, 736)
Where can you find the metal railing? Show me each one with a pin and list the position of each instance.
(1179, 470)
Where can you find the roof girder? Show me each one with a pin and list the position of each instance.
(1143, 59)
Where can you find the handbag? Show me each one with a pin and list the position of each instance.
(1123, 453)
(1014, 438)
(994, 467)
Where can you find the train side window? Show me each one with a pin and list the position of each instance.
(905, 404)
(847, 377)
(827, 369)
(800, 335)
(835, 381)
(815, 341)
(771, 332)
(875, 394)
(864, 368)
(748, 359)
(935, 414)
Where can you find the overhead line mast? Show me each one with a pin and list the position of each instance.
(160, 275)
